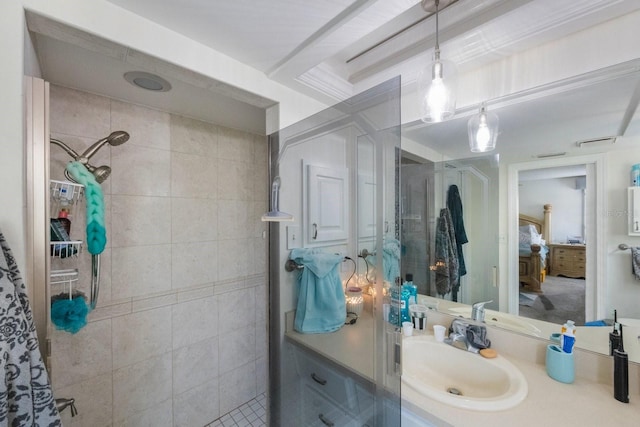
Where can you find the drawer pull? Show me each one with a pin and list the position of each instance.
(325, 421)
(318, 379)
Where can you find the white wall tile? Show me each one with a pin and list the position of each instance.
(78, 357)
(235, 302)
(79, 113)
(146, 127)
(235, 145)
(193, 220)
(140, 386)
(233, 219)
(193, 136)
(198, 406)
(195, 364)
(235, 180)
(138, 220)
(142, 171)
(193, 176)
(237, 348)
(194, 321)
(262, 375)
(93, 400)
(140, 336)
(160, 415)
(193, 264)
(237, 387)
(140, 270)
(232, 258)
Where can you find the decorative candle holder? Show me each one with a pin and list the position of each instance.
(354, 299)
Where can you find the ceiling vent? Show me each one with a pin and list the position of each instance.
(547, 155)
(608, 140)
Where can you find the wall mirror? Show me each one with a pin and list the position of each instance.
(589, 122)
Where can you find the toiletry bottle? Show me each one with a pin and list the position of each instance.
(413, 289)
(405, 295)
(614, 336)
(63, 217)
(567, 340)
(621, 372)
(395, 304)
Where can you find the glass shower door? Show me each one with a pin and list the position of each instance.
(339, 175)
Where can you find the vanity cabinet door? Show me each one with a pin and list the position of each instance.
(318, 411)
(328, 213)
(325, 380)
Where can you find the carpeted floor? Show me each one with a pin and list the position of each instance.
(562, 299)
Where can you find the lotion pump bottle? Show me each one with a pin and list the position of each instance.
(621, 372)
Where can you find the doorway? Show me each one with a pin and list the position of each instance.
(592, 231)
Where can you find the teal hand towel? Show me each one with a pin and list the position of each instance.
(321, 305)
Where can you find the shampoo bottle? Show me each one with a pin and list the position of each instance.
(621, 372)
(395, 303)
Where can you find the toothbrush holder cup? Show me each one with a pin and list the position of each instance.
(560, 365)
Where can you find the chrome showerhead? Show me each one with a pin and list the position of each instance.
(101, 173)
(115, 138)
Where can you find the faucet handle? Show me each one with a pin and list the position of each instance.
(477, 310)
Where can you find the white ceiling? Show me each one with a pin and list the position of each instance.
(333, 49)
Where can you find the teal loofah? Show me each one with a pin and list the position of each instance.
(69, 315)
(96, 231)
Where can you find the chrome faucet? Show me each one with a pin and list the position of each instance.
(459, 335)
(477, 311)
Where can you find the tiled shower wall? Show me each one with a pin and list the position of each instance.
(179, 336)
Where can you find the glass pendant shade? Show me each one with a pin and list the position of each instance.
(483, 131)
(437, 91)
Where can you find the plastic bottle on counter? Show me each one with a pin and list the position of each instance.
(411, 288)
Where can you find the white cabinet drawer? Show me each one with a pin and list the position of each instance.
(318, 411)
(320, 377)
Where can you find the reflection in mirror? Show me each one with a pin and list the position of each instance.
(537, 132)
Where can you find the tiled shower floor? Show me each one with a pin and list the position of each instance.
(251, 414)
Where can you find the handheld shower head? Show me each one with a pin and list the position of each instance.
(115, 138)
(101, 173)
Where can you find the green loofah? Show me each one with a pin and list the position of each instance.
(69, 314)
(96, 231)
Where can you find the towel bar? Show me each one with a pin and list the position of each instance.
(623, 246)
(290, 265)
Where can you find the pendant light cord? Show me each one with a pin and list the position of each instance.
(437, 53)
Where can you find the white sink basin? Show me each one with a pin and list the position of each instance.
(503, 320)
(459, 378)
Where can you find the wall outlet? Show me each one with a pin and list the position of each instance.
(294, 238)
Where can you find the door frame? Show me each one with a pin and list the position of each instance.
(595, 202)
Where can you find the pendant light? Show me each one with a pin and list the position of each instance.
(437, 82)
(483, 131)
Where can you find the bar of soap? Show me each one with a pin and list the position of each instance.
(489, 353)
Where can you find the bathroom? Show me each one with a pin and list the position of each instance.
(125, 189)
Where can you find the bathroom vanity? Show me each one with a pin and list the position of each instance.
(346, 394)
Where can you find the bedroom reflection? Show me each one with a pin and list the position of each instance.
(552, 206)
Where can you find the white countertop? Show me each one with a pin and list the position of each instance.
(350, 346)
(548, 402)
(586, 402)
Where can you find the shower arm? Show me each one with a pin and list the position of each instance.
(66, 148)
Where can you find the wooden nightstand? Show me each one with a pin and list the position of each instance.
(567, 260)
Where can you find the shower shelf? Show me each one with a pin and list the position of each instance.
(68, 249)
(68, 277)
(62, 191)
